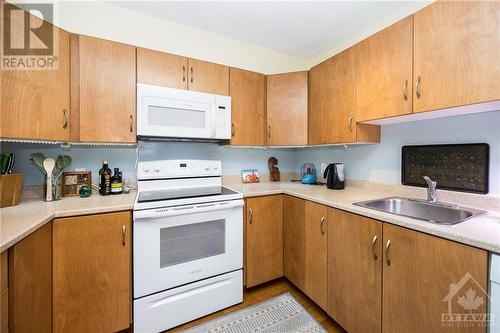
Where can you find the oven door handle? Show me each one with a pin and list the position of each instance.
(186, 210)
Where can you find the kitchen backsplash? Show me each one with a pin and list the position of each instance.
(377, 163)
(381, 163)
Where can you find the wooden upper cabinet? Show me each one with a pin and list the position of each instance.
(333, 99)
(354, 271)
(294, 240)
(208, 77)
(107, 90)
(287, 109)
(248, 98)
(161, 69)
(92, 273)
(385, 72)
(264, 239)
(457, 51)
(426, 277)
(30, 283)
(316, 228)
(332, 103)
(35, 104)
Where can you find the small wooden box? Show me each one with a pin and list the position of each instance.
(10, 189)
(72, 181)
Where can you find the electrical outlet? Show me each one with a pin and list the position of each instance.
(323, 167)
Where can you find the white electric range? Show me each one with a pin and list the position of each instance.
(188, 243)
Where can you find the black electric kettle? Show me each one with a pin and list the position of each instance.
(334, 175)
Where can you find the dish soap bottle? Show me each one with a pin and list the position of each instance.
(105, 184)
(116, 182)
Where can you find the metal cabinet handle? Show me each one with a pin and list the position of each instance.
(322, 225)
(232, 129)
(65, 118)
(351, 118)
(417, 86)
(131, 123)
(124, 232)
(183, 73)
(374, 241)
(405, 90)
(251, 216)
(269, 131)
(387, 246)
(191, 74)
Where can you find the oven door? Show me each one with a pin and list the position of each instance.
(165, 112)
(178, 245)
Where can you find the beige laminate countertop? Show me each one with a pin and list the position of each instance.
(19, 221)
(482, 232)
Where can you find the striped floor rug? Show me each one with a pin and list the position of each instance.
(281, 314)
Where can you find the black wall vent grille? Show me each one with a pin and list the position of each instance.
(456, 167)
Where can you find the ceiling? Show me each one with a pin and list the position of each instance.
(303, 29)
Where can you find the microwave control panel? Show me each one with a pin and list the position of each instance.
(222, 117)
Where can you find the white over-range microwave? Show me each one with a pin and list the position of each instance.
(182, 114)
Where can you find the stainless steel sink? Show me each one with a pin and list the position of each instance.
(435, 212)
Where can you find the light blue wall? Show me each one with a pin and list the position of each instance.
(90, 158)
(380, 163)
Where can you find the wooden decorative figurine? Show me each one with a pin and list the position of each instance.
(274, 172)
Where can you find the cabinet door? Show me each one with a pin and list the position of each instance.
(208, 77)
(264, 239)
(107, 91)
(426, 278)
(332, 103)
(332, 100)
(92, 273)
(35, 103)
(4, 311)
(248, 98)
(385, 72)
(30, 283)
(315, 252)
(294, 240)
(354, 271)
(456, 54)
(287, 109)
(4, 293)
(161, 69)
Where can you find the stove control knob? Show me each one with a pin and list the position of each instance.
(215, 167)
(207, 168)
(145, 170)
(157, 170)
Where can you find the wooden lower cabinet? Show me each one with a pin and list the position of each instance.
(426, 277)
(92, 273)
(4, 311)
(354, 271)
(294, 240)
(316, 252)
(30, 283)
(264, 239)
(4, 293)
